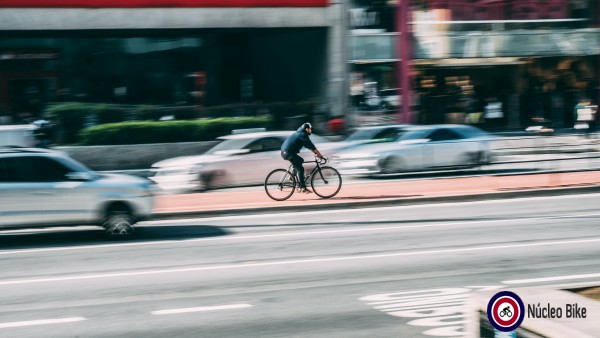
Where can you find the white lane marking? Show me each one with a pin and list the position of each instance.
(201, 309)
(362, 210)
(551, 279)
(441, 311)
(42, 322)
(291, 234)
(437, 308)
(53, 229)
(299, 261)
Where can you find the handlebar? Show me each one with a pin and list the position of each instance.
(321, 160)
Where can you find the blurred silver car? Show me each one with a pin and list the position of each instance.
(419, 148)
(41, 188)
(238, 160)
(373, 134)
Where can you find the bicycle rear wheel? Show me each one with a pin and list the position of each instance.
(327, 183)
(280, 184)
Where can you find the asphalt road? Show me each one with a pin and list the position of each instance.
(315, 274)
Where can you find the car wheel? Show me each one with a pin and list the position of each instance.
(486, 158)
(214, 180)
(391, 165)
(473, 160)
(119, 221)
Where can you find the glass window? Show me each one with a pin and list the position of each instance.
(471, 132)
(48, 170)
(255, 146)
(388, 135)
(415, 134)
(228, 145)
(12, 170)
(362, 134)
(443, 135)
(265, 144)
(32, 169)
(272, 144)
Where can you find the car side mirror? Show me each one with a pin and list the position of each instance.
(80, 176)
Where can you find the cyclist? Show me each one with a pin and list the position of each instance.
(292, 146)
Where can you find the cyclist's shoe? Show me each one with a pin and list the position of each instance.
(306, 191)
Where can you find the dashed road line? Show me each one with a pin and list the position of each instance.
(301, 261)
(42, 322)
(202, 309)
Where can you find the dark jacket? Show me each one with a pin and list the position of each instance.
(296, 141)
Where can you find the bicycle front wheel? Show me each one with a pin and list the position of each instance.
(326, 183)
(280, 184)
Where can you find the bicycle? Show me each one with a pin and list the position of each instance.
(325, 181)
(506, 312)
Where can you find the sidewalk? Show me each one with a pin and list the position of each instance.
(382, 193)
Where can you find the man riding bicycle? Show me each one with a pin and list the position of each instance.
(292, 146)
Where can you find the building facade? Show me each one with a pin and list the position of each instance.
(170, 52)
(536, 57)
(417, 61)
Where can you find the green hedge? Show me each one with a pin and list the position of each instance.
(72, 117)
(168, 131)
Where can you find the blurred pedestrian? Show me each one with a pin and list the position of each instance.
(335, 126)
(583, 116)
(493, 113)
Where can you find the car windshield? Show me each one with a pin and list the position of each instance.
(228, 145)
(471, 132)
(415, 134)
(362, 134)
(376, 135)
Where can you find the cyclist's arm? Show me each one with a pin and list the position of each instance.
(311, 146)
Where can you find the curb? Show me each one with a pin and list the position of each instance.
(384, 202)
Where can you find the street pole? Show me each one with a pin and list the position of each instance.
(404, 55)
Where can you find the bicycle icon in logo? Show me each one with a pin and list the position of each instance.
(506, 312)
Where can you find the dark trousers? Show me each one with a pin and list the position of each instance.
(297, 162)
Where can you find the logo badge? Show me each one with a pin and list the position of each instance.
(505, 311)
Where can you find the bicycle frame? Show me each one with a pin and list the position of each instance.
(312, 172)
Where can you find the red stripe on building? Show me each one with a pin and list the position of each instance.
(161, 3)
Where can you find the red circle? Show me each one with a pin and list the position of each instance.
(512, 320)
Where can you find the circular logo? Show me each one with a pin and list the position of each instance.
(505, 311)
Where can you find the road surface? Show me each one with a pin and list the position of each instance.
(302, 274)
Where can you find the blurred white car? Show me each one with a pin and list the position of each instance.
(42, 188)
(373, 134)
(238, 160)
(418, 148)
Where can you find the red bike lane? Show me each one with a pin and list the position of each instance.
(361, 193)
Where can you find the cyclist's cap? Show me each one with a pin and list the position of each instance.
(307, 125)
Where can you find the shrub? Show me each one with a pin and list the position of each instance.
(72, 117)
(168, 131)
